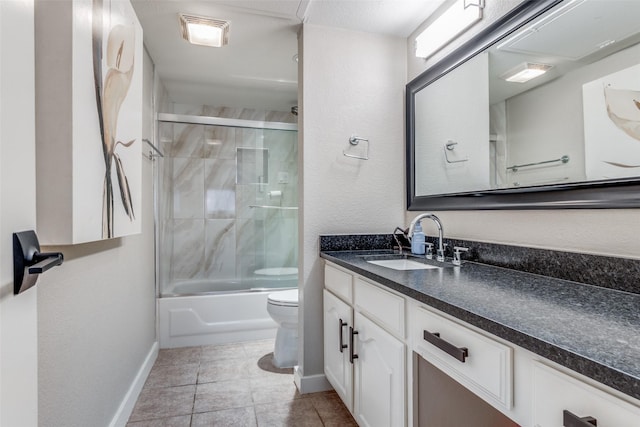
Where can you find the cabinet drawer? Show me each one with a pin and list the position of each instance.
(338, 282)
(382, 306)
(554, 392)
(487, 366)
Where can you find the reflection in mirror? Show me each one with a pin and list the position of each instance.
(555, 102)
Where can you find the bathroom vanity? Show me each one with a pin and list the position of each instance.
(523, 349)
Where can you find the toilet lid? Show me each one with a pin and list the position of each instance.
(288, 298)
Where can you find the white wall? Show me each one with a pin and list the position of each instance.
(18, 313)
(96, 316)
(352, 83)
(604, 232)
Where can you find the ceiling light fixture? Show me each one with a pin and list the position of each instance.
(525, 72)
(455, 20)
(204, 31)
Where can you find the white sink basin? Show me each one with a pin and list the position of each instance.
(402, 264)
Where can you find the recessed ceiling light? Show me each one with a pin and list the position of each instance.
(525, 72)
(204, 31)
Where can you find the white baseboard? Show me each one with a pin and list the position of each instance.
(126, 407)
(310, 383)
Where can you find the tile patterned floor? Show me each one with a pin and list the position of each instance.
(231, 385)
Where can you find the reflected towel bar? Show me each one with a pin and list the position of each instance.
(563, 159)
(274, 207)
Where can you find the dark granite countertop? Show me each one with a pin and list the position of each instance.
(590, 329)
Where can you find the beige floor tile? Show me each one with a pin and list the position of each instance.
(181, 421)
(259, 348)
(331, 410)
(273, 389)
(223, 370)
(222, 395)
(178, 356)
(223, 352)
(164, 403)
(296, 413)
(172, 375)
(237, 417)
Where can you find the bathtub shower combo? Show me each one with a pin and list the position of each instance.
(227, 227)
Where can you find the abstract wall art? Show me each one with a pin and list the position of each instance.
(88, 120)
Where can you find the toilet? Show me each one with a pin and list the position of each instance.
(283, 308)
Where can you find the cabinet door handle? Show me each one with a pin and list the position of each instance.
(352, 355)
(342, 325)
(572, 420)
(460, 353)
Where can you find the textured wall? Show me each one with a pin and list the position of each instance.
(352, 84)
(96, 317)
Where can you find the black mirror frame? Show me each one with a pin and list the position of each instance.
(612, 194)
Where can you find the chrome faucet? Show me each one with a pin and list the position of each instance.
(440, 250)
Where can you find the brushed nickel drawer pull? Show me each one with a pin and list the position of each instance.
(460, 353)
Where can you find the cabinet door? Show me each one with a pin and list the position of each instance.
(337, 320)
(555, 392)
(379, 391)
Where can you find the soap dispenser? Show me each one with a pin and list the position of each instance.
(417, 240)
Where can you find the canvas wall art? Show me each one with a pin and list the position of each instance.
(612, 125)
(89, 120)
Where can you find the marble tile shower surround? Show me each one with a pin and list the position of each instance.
(207, 229)
(609, 272)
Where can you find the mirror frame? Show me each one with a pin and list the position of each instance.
(614, 193)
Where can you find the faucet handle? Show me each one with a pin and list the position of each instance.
(457, 252)
(428, 253)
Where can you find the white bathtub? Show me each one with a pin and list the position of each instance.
(213, 313)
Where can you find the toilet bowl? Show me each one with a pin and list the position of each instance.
(282, 306)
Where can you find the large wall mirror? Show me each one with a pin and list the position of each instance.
(541, 110)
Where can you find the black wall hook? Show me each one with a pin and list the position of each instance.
(28, 261)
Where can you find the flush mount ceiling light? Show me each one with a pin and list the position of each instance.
(525, 72)
(204, 31)
(460, 16)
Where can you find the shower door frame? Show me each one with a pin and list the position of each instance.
(201, 120)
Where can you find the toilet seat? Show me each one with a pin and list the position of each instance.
(284, 298)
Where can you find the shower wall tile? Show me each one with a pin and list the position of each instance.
(188, 140)
(220, 142)
(188, 188)
(220, 249)
(249, 138)
(247, 195)
(187, 256)
(165, 137)
(281, 116)
(281, 240)
(220, 188)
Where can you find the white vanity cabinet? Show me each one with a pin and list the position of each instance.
(365, 352)
(562, 400)
(376, 340)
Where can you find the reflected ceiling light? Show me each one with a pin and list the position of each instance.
(455, 20)
(525, 72)
(204, 31)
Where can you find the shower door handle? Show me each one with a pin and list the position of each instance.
(342, 325)
(352, 354)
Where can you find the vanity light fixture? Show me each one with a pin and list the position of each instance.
(204, 31)
(453, 22)
(525, 72)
